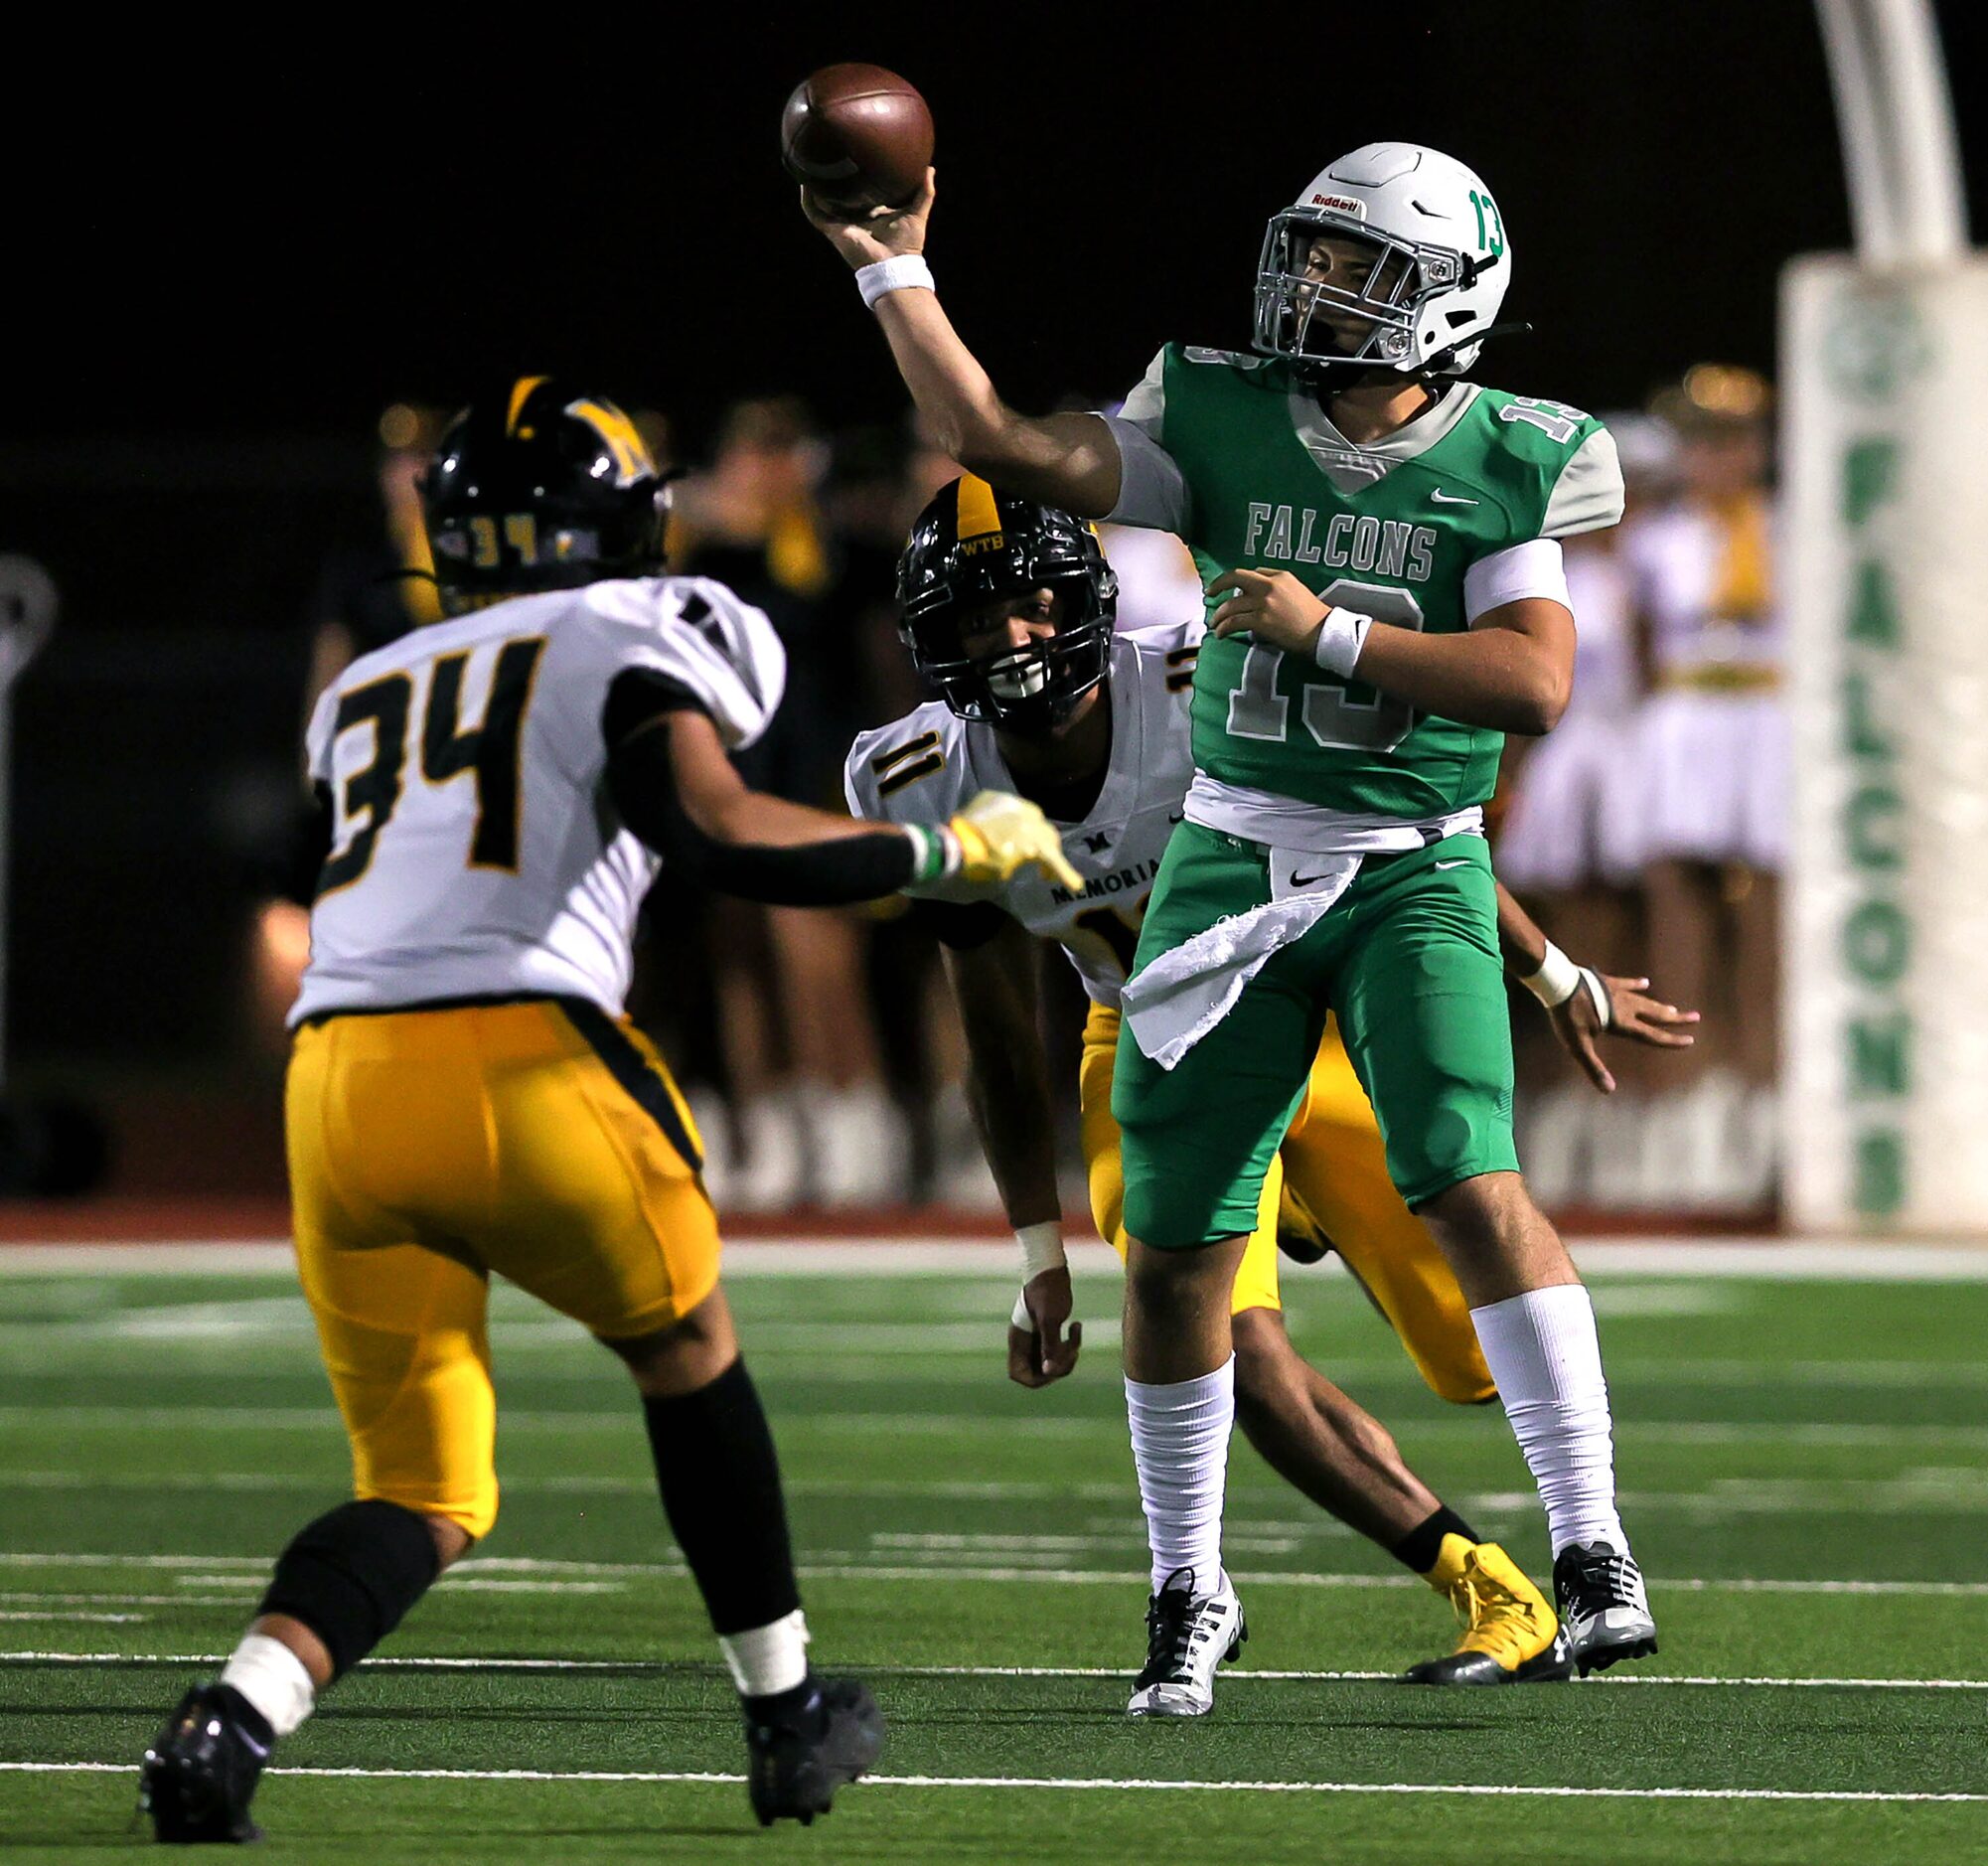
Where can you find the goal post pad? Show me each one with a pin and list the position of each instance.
(1885, 576)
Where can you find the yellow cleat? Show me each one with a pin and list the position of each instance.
(1512, 1635)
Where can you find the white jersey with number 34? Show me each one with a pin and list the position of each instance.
(475, 852)
(929, 763)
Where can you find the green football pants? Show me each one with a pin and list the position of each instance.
(1408, 960)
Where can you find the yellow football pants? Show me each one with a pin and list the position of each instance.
(542, 1140)
(1333, 1168)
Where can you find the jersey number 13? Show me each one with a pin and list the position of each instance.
(1336, 721)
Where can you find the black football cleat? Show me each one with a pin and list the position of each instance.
(199, 1775)
(797, 1760)
(1602, 1605)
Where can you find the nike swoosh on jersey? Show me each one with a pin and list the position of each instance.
(1451, 499)
(1464, 864)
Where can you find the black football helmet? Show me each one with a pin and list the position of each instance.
(543, 488)
(974, 543)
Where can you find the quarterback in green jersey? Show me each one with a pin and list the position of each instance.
(1378, 538)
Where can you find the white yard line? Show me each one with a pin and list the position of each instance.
(1237, 1674)
(1945, 1493)
(856, 1569)
(1959, 1260)
(1067, 1782)
(66, 1617)
(615, 1419)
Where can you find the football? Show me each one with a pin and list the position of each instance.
(859, 135)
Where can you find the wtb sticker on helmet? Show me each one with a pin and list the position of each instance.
(1344, 204)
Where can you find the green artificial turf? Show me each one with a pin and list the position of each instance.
(1804, 1468)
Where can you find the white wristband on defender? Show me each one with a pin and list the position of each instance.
(906, 271)
(1041, 1248)
(1557, 979)
(1340, 639)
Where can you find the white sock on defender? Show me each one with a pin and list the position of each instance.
(1180, 1445)
(1544, 1354)
(273, 1678)
(768, 1658)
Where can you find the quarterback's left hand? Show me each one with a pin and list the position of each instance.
(1631, 1013)
(1273, 606)
(1039, 1354)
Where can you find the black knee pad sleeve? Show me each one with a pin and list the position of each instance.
(353, 1573)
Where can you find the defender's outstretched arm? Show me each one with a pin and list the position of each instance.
(1584, 1003)
(1007, 1088)
(675, 787)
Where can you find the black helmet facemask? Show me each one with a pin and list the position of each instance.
(1010, 547)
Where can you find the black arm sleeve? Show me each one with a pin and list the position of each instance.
(643, 783)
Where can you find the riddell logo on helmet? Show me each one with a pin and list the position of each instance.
(1344, 204)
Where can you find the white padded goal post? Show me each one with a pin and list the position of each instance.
(1885, 452)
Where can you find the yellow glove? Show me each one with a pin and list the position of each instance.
(999, 834)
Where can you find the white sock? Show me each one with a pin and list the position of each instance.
(768, 1658)
(1180, 1445)
(1543, 1352)
(273, 1678)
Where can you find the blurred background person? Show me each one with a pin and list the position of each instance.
(373, 589)
(805, 1115)
(1715, 757)
(1571, 847)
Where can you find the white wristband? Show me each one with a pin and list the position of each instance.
(1041, 1248)
(1557, 979)
(1340, 640)
(906, 271)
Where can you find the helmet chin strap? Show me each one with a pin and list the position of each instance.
(1442, 360)
(1329, 375)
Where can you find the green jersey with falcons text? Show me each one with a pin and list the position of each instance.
(1390, 530)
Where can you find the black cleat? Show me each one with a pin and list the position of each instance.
(198, 1777)
(1554, 1665)
(1602, 1605)
(796, 1760)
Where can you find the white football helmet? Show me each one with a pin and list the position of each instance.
(1431, 272)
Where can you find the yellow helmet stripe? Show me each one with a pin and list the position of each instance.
(977, 514)
(620, 436)
(521, 394)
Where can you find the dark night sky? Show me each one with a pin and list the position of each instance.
(222, 251)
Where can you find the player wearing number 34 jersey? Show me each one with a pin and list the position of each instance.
(1377, 539)
(465, 1098)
